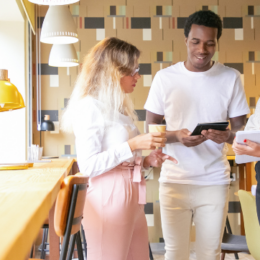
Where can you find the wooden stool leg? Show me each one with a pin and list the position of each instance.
(71, 247)
(223, 256)
(44, 240)
(79, 246)
(84, 240)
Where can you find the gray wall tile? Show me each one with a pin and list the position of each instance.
(145, 68)
(251, 56)
(140, 22)
(181, 22)
(112, 10)
(234, 207)
(94, 22)
(158, 10)
(252, 102)
(67, 149)
(251, 10)
(160, 56)
(45, 69)
(237, 66)
(141, 114)
(148, 208)
(66, 101)
(232, 22)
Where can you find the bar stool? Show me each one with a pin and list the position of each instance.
(69, 213)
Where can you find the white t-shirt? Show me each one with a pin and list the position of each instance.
(187, 98)
(101, 140)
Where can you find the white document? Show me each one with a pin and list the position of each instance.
(254, 136)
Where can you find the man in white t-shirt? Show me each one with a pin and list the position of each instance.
(196, 91)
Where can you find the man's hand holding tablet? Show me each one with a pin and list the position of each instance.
(218, 132)
(184, 136)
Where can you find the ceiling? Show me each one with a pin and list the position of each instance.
(9, 11)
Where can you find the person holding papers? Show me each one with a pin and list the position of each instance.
(197, 90)
(252, 149)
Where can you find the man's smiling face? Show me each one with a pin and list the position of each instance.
(201, 46)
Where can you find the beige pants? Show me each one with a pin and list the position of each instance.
(206, 206)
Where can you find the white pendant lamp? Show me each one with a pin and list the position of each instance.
(58, 26)
(63, 55)
(53, 2)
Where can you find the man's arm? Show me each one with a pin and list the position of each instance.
(237, 123)
(182, 135)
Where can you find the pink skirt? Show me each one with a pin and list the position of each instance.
(114, 221)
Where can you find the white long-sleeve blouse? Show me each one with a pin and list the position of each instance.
(253, 122)
(101, 139)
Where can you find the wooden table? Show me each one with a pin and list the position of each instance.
(26, 199)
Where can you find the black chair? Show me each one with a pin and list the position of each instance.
(232, 243)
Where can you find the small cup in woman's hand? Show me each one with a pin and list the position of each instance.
(154, 128)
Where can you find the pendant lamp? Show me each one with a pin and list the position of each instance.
(47, 124)
(53, 2)
(58, 26)
(10, 97)
(63, 55)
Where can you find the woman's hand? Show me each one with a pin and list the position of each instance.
(156, 159)
(250, 148)
(147, 141)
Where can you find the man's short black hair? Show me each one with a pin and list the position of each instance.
(206, 18)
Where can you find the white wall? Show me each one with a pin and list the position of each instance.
(13, 123)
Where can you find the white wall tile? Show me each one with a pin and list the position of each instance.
(147, 80)
(100, 34)
(239, 34)
(150, 220)
(54, 80)
(114, 22)
(147, 34)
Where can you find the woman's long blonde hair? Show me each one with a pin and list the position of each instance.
(104, 66)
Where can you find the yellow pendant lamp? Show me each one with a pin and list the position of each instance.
(10, 97)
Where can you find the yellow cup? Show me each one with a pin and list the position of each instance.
(153, 128)
(157, 128)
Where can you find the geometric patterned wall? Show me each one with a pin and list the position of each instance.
(156, 28)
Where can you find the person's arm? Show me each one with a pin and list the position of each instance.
(89, 132)
(156, 158)
(237, 123)
(182, 135)
(89, 129)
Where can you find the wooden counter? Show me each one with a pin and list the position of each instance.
(26, 197)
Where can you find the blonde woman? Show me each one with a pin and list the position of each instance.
(109, 146)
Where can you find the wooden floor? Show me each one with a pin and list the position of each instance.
(158, 253)
(193, 257)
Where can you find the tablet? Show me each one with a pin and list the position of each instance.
(252, 135)
(221, 126)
